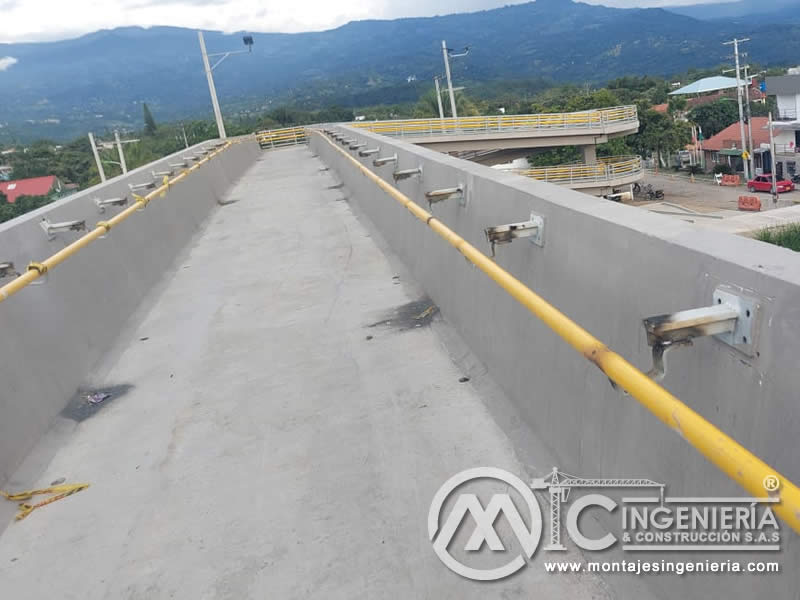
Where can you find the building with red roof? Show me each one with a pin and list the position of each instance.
(725, 148)
(33, 186)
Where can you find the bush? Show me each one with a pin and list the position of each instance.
(695, 169)
(786, 236)
(724, 169)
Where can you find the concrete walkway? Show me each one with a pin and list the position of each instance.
(267, 448)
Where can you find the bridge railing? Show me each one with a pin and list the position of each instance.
(278, 138)
(732, 458)
(589, 119)
(606, 169)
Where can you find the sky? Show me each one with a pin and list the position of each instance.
(40, 20)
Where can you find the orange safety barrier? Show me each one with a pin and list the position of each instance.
(730, 180)
(750, 203)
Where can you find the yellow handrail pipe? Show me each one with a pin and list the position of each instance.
(733, 459)
(38, 269)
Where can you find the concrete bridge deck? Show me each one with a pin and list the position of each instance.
(266, 447)
(283, 412)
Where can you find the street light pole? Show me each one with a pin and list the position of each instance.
(449, 80)
(211, 88)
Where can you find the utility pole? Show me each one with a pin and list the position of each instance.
(121, 153)
(185, 141)
(213, 90)
(735, 43)
(439, 96)
(772, 160)
(449, 80)
(97, 158)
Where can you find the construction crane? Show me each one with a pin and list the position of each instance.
(560, 483)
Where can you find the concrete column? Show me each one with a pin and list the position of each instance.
(589, 154)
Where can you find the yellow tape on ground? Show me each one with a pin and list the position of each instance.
(60, 491)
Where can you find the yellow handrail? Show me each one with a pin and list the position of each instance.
(582, 119)
(604, 169)
(294, 135)
(732, 458)
(36, 270)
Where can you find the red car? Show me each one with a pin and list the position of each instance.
(763, 183)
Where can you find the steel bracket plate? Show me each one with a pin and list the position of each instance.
(743, 337)
(538, 237)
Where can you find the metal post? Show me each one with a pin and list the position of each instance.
(449, 80)
(97, 158)
(749, 121)
(439, 97)
(121, 153)
(211, 88)
(735, 43)
(772, 157)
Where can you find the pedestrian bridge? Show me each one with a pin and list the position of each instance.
(300, 345)
(602, 176)
(589, 127)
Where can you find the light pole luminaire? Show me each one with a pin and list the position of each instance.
(446, 54)
(248, 41)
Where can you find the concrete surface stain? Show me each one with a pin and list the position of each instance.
(79, 408)
(411, 315)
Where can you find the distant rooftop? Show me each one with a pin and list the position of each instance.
(34, 186)
(707, 84)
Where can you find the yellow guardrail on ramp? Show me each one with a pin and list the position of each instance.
(276, 138)
(589, 119)
(733, 459)
(606, 169)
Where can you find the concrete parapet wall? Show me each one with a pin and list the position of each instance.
(54, 332)
(607, 266)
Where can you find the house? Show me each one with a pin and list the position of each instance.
(725, 148)
(34, 186)
(786, 126)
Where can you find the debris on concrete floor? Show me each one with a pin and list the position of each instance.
(97, 397)
(60, 491)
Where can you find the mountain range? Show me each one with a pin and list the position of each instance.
(100, 80)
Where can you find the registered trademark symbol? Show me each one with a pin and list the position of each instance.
(771, 483)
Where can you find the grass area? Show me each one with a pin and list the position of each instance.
(786, 236)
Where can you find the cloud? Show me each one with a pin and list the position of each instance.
(6, 62)
(40, 20)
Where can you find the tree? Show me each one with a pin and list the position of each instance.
(676, 105)
(715, 116)
(149, 121)
(562, 155)
(601, 98)
(659, 133)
